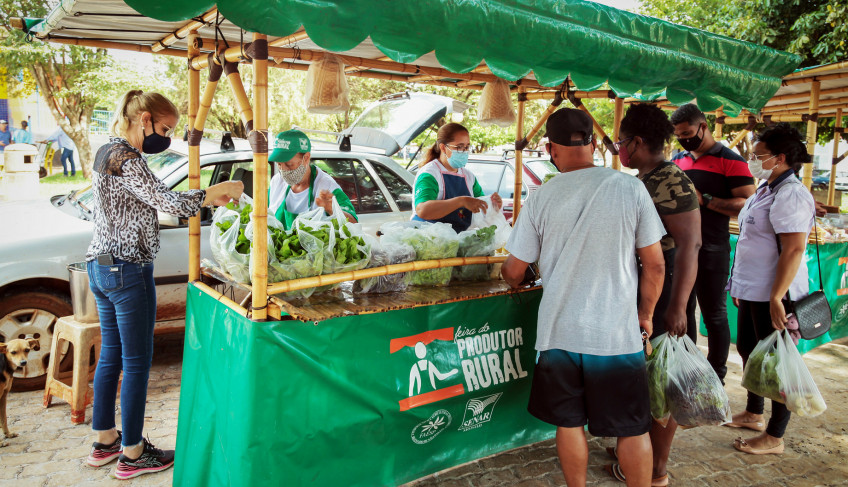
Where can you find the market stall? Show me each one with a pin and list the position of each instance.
(347, 389)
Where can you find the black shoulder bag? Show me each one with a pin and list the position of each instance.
(813, 311)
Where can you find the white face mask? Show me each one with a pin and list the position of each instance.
(756, 168)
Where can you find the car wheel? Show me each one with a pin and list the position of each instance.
(33, 314)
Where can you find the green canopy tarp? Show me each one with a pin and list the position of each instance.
(552, 39)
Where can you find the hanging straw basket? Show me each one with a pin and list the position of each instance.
(326, 86)
(496, 105)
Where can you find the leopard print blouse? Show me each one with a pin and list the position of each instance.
(126, 197)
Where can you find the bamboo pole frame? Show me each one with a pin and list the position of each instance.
(259, 255)
(550, 95)
(803, 94)
(188, 28)
(719, 126)
(193, 162)
(618, 114)
(831, 190)
(519, 156)
(821, 69)
(812, 127)
(327, 279)
(229, 303)
(841, 101)
(240, 96)
(826, 77)
(741, 135)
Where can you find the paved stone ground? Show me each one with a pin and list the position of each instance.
(50, 451)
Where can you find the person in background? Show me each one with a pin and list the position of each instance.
(774, 226)
(591, 366)
(444, 190)
(300, 186)
(22, 135)
(5, 135)
(120, 259)
(66, 145)
(722, 183)
(645, 130)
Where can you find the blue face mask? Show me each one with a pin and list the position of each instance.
(458, 159)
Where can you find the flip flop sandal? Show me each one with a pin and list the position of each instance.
(744, 447)
(613, 452)
(751, 425)
(615, 471)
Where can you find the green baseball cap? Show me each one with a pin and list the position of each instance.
(288, 144)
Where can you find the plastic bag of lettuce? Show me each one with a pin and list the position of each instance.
(291, 255)
(657, 366)
(776, 370)
(430, 241)
(228, 240)
(382, 254)
(488, 232)
(695, 395)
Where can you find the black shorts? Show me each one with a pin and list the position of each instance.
(609, 392)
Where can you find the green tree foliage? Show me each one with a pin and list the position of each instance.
(63, 74)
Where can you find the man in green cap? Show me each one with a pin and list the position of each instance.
(300, 186)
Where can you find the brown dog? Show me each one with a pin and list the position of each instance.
(13, 356)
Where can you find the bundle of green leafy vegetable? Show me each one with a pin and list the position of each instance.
(475, 243)
(760, 375)
(230, 244)
(242, 243)
(430, 245)
(657, 366)
(291, 256)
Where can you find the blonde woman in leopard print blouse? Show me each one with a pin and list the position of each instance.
(127, 196)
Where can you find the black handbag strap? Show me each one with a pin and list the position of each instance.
(818, 258)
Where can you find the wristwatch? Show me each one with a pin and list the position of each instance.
(707, 198)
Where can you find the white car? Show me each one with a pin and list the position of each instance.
(41, 238)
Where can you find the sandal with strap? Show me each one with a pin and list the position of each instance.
(744, 447)
(615, 471)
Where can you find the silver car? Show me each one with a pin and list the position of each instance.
(41, 238)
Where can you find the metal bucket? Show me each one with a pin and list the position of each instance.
(82, 299)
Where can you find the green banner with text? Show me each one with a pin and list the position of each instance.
(376, 399)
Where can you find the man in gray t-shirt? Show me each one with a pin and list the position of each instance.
(585, 228)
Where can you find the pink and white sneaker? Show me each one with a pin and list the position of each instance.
(102, 454)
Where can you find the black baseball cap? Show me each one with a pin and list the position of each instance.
(567, 121)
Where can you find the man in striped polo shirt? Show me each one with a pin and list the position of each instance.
(723, 183)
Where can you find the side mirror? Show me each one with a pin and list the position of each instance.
(168, 221)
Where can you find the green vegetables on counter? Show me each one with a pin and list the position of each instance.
(475, 243)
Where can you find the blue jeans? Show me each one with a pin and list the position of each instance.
(68, 155)
(126, 301)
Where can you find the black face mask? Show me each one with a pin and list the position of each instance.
(691, 143)
(154, 143)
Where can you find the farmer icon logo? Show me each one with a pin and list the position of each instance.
(426, 370)
(479, 411)
(425, 431)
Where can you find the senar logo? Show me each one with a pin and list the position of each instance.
(479, 411)
(425, 431)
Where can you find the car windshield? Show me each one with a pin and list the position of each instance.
(541, 167)
(397, 117)
(487, 174)
(162, 165)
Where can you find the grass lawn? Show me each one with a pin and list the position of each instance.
(61, 184)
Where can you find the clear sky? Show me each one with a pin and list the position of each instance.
(631, 5)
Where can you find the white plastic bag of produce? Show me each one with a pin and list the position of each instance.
(230, 246)
(289, 257)
(695, 394)
(344, 249)
(490, 217)
(775, 370)
(657, 366)
(430, 241)
(385, 252)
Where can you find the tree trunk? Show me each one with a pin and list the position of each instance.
(75, 119)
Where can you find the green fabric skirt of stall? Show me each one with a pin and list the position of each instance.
(364, 400)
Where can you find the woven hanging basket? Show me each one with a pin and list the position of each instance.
(496, 105)
(326, 86)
